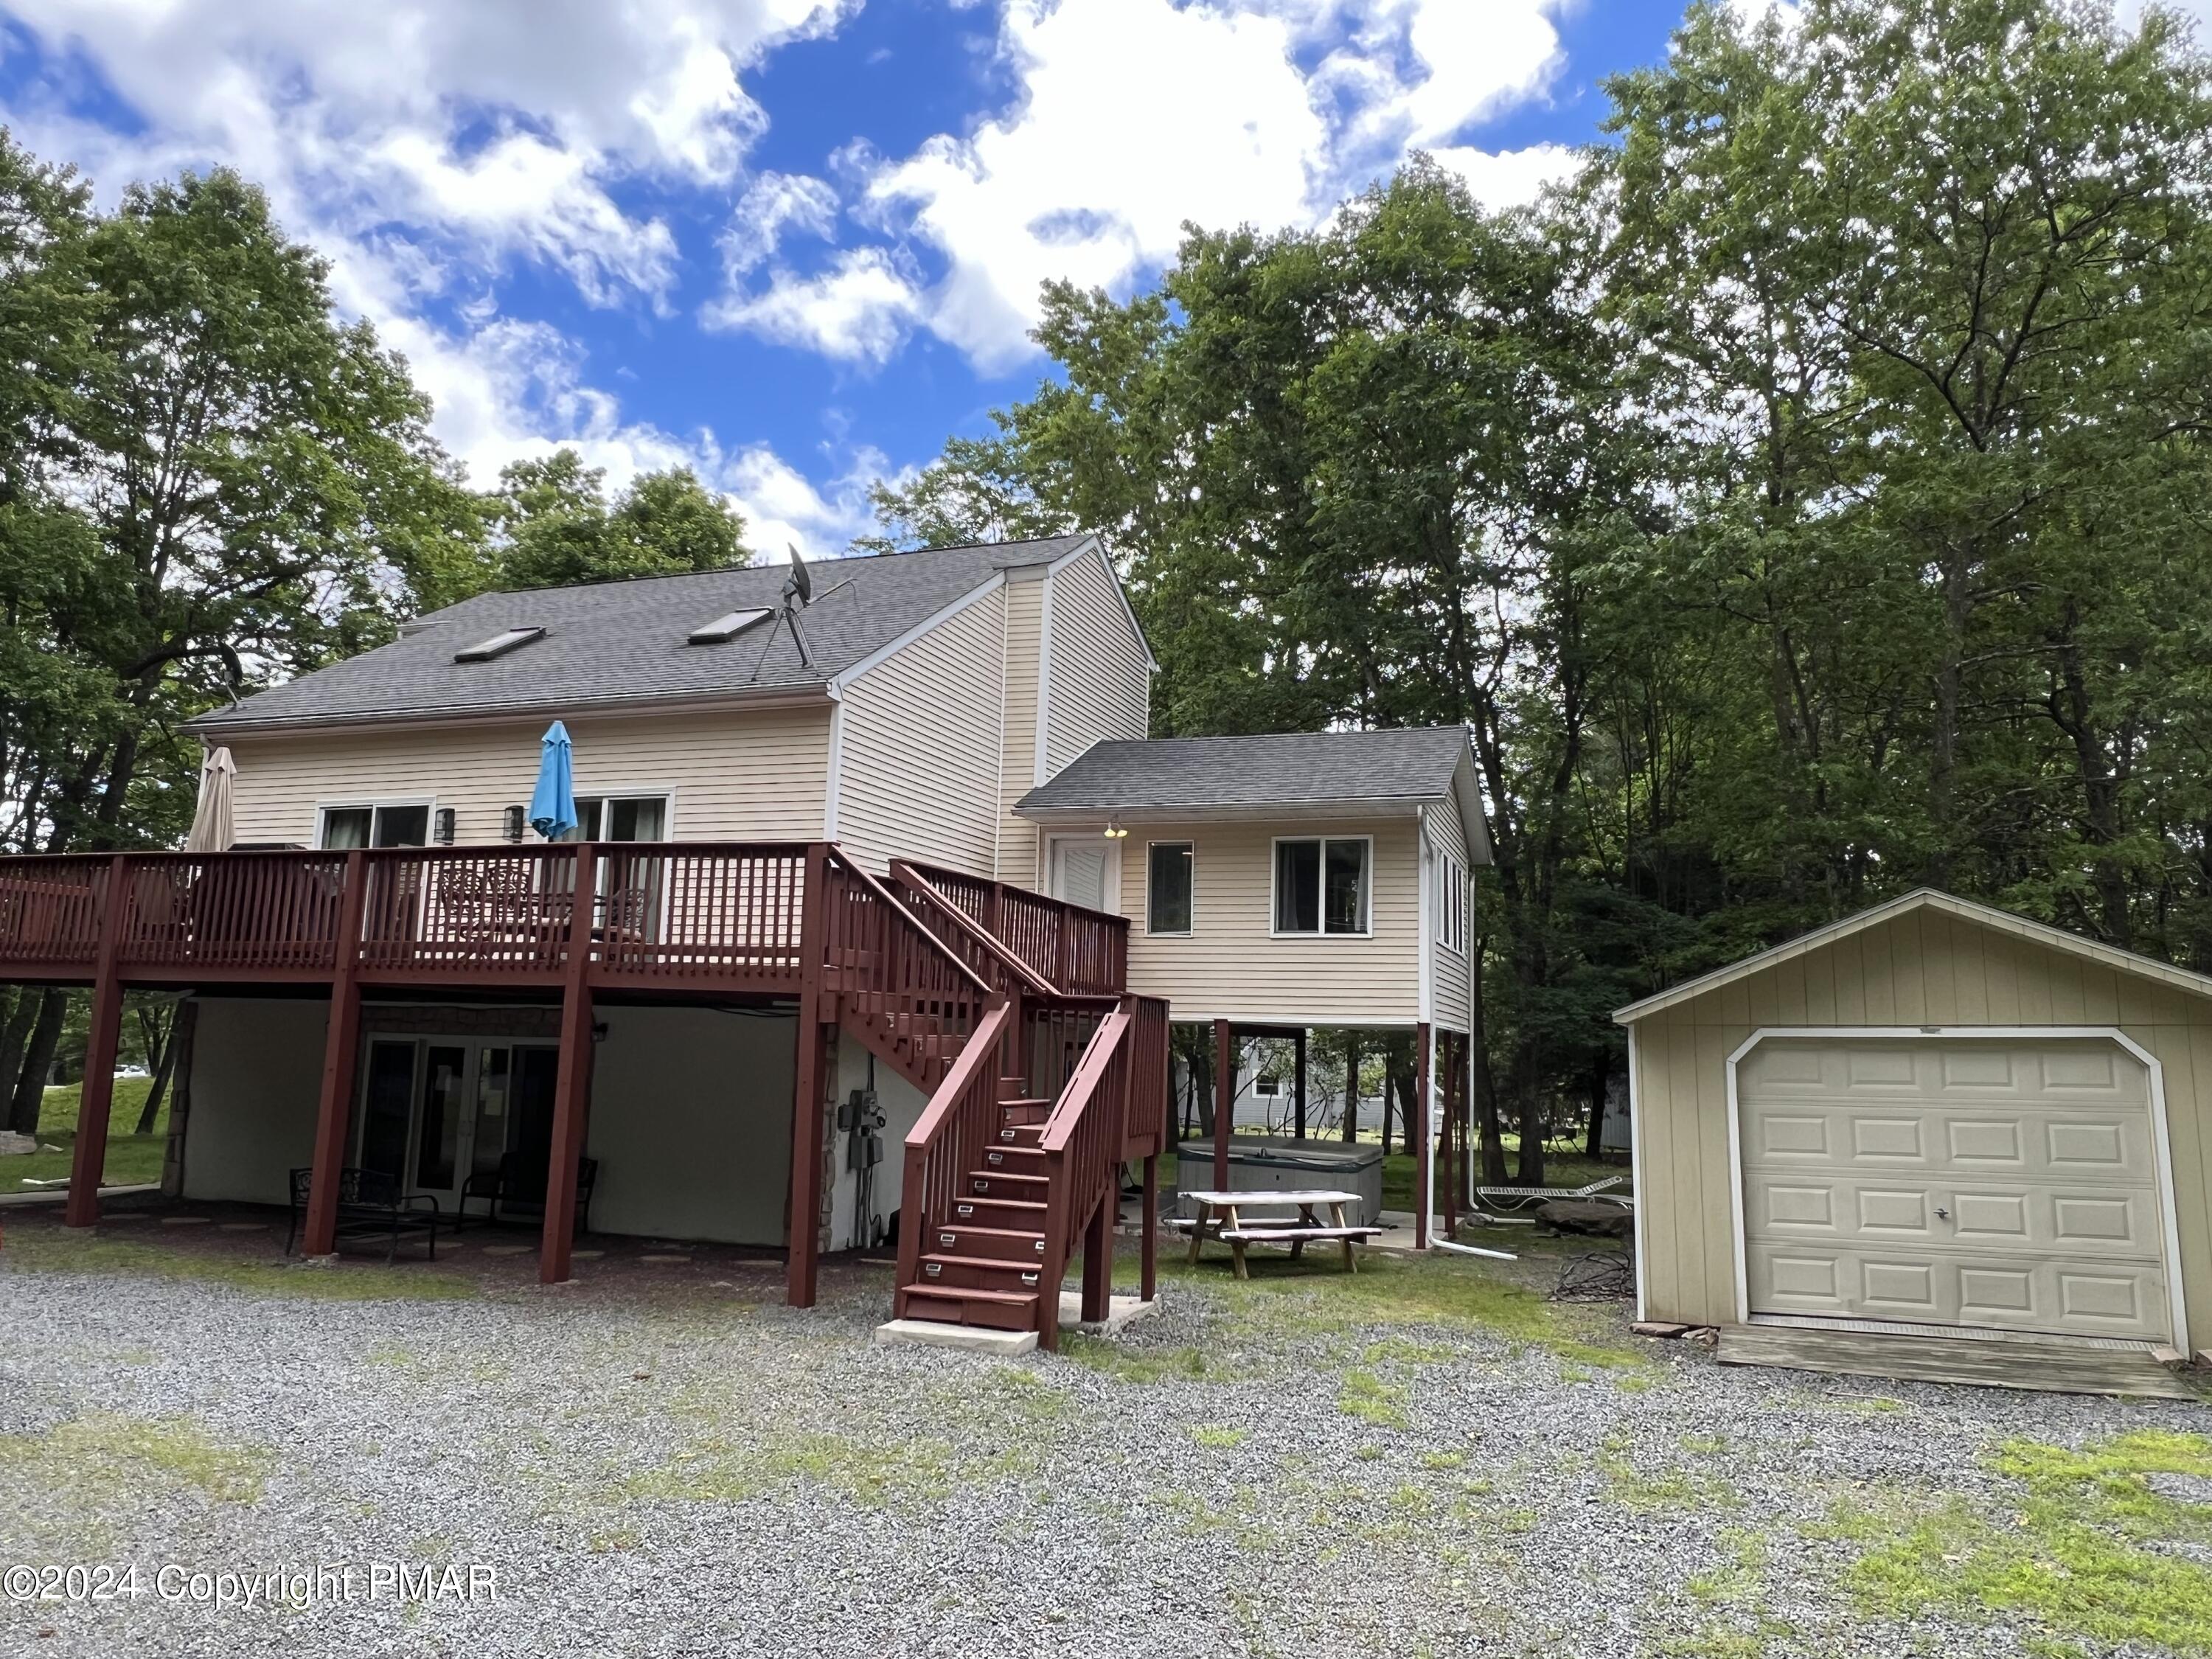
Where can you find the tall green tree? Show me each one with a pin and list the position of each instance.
(555, 527)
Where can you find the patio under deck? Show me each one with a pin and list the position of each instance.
(796, 920)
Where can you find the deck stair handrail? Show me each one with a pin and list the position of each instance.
(951, 1137)
(1078, 950)
(904, 988)
(1113, 1108)
(966, 935)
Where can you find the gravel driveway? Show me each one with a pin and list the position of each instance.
(1424, 1460)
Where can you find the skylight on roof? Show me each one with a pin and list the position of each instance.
(498, 644)
(727, 627)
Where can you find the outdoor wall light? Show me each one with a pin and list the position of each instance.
(1116, 832)
(445, 830)
(512, 826)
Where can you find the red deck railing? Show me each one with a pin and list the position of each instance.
(958, 1126)
(1078, 951)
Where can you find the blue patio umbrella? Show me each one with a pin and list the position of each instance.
(553, 802)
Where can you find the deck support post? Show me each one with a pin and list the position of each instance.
(1099, 1259)
(1455, 1144)
(341, 1047)
(1417, 1130)
(97, 1093)
(1148, 1284)
(1225, 1099)
(1298, 1086)
(572, 1078)
(803, 1242)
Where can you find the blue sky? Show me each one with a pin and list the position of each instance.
(791, 243)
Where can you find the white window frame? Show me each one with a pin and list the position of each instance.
(1366, 887)
(1182, 932)
(1451, 904)
(661, 793)
(372, 806)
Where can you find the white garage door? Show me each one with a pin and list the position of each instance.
(1980, 1181)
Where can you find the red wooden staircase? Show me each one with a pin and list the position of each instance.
(1017, 1162)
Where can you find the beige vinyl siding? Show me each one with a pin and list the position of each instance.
(1098, 683)
(1923, 967)
(1017, 770)
(1230, 967)
(918, 747)
(1449, 1005)
(734, 776)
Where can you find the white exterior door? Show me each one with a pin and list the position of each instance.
(1083, 869)
(2000, 1182)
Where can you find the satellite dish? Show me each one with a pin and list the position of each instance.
(799, 585)
(797, 594)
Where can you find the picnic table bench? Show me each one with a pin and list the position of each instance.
(1225, 1216)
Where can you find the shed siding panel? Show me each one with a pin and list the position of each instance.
(1017, 770)
(920, 745)
(1228, 967)
(1099, 686)
(734, 776)
(1948, 972)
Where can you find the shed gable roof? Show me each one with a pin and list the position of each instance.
(627, 642)
(1967, 910)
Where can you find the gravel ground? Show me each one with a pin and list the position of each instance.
(666, 1462)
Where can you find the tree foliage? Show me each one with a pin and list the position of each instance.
(555, 527)
(1808, 500)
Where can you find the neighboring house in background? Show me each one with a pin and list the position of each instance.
(801, 876)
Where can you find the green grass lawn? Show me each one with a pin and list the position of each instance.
(130, 1158)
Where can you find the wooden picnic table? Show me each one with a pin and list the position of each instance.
(1227, 1216)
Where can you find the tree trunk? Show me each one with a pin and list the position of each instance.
(1601, 1074)
(1352, 1086)
(30, 1096)
(15, 1034)
(160, 1070)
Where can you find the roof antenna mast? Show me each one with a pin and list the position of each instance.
(797, 594)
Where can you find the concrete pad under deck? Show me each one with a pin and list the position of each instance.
(1121, 1312)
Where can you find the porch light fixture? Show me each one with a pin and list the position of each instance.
(511, 826)
(1116, 832)
(443, 834)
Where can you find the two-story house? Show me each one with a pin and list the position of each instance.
(878, 918)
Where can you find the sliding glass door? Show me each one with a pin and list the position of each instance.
(435, 1110)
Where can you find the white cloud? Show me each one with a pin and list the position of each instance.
(856, 310)
(774, 203)
(1510, 178)
(422, 145)
(781, 507)
(1131, 118)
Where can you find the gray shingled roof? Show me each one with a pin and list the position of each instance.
(623, 642)
(1284, 769)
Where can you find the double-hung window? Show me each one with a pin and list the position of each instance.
(1450, 902)
(1322, 884)
(1168, 893)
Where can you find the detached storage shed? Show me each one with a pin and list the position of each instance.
(1934, 1120)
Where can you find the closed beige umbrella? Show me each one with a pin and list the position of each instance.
(211, 831)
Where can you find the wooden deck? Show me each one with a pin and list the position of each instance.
(1999, 1363)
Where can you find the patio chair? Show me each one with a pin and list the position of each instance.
(1527, 1198)
(372, 1205)
(519, 1183)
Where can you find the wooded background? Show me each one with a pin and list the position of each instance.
(1810, 501)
